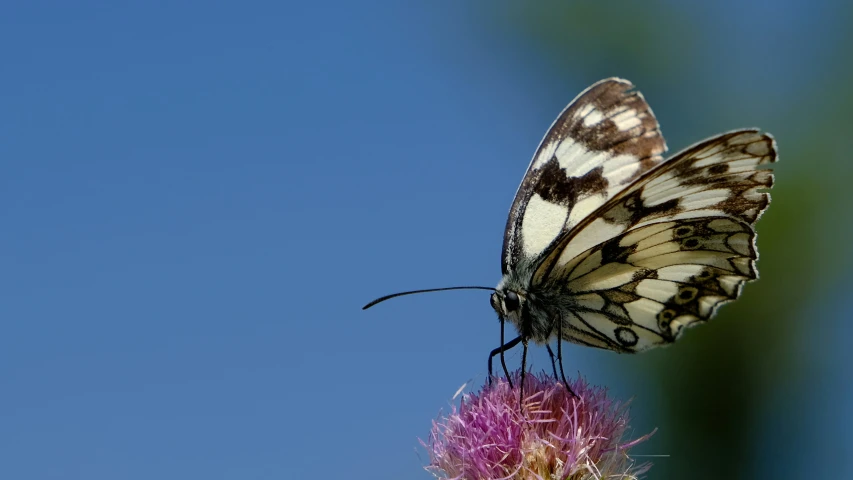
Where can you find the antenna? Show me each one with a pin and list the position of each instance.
(412, 292)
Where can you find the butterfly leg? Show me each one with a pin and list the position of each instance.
(523, 370)
(560, 355)
(500, 350)
(553, 360)
(563, 374)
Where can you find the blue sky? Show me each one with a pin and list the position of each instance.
(197, 199)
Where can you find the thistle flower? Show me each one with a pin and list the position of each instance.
(553, 435)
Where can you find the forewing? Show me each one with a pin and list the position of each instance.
(605, 138)
(669, 250)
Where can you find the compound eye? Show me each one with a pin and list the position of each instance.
(511, 302)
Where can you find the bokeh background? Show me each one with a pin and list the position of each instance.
(197, 197)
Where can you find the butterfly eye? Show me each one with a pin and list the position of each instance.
(511, 301)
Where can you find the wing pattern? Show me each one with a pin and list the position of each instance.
(667, 252)
(719, 177)
(640, 289)
(604, 140)
(615, 247)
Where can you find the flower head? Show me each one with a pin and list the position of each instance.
(552, 435)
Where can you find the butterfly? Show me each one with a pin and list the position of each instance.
(610, 245)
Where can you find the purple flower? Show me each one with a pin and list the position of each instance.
(553, 436)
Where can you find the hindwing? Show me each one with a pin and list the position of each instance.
(640, 289)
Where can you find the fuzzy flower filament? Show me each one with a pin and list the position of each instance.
(552, 435)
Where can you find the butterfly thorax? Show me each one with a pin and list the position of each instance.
(533, 311)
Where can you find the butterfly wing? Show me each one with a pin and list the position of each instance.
(666, 252)
(606, 138)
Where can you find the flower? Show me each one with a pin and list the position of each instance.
(553, 435)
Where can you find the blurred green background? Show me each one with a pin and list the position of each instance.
(765, 392)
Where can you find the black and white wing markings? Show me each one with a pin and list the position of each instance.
(666, 252)
(640, 289)
(719, 177)
(605, 139)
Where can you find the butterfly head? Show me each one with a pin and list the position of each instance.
(508, 304)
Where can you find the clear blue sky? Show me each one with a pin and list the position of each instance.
(196, 200)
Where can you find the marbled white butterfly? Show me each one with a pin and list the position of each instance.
(611, 246)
